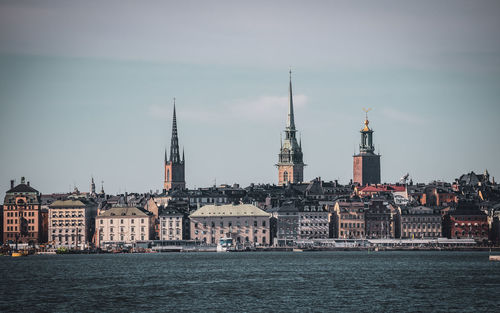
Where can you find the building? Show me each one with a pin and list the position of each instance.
(244, 223)
(418, 222)
(71, 223)
(123, 226)
(290, 164)
(466, 221)
(21, 214)
(313, 221)
(366, 164)
(287, 223)
(348, 220)
(174, 221)
(174, 166)
(379, 221)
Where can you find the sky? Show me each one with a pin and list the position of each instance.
(87, 88)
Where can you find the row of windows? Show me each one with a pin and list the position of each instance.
(420, 234)
(238, 239)
(67, 230)
(122, 221)
(352, 233)
(470, 233)
(352, 225)
(66, 215)
(204, 232)
(422, 219)
(313, 224)
(66, 237)
(230, 224)
(352, 217)
(122, 229)
(314, 216)
(121, 238)
(307, 232)
(423, 226)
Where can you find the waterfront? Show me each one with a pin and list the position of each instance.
(307, 281)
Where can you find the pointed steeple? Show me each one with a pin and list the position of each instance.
(183, 159)
(174, 143)
(166, 158)
(290, 123)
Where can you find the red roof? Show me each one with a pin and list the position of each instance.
(383, 188)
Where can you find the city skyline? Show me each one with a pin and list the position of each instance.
(76, 102)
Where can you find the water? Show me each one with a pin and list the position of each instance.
(279, 282)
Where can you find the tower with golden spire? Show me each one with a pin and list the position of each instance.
(290, 164)
(366, 164)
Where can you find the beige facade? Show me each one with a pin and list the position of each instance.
(172, 226)
(123, 225)
(244, 223)
(69, 223)
(349, 220)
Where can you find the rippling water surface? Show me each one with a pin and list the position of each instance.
(307, 281)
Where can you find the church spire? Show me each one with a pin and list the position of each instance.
(290, 123)
(174, 143)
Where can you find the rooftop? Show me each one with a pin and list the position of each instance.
(229, 210)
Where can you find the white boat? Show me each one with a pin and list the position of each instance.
(224, 244)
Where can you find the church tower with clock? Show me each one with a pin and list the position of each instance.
(290, 164)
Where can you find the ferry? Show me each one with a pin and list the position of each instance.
(224, 244)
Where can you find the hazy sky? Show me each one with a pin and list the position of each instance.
(86, 89)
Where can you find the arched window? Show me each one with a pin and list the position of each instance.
(168, 175)
(285, 176)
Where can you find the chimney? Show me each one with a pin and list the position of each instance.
(11, 183)
(28, 183)
(22, 180)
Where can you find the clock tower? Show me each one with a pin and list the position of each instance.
(290, 164)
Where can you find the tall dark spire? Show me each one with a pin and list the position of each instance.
(174, 143)
(290, 123)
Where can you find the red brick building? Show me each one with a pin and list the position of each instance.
(366, 164)
(467, 221)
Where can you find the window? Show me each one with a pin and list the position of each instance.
(255, 223)
(121, 221)
(263, 223)
(285, 176)
(102, 222)
(142, 221)
(111, 221)
(132, 221)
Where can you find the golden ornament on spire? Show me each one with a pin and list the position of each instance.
(366, 128)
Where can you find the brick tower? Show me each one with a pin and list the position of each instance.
(174, 167)
(290, 164)
(366, 165)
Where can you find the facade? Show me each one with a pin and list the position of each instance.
(313, 221)
(290, 163)
(287, 224)
(244, 223)
(70, 223)
(174, 221)
(123, 226)
(379, 222)
(348, 220)
(419, 222)
(466, 222)
(366, 164)
(174, 166)
(22, 220)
